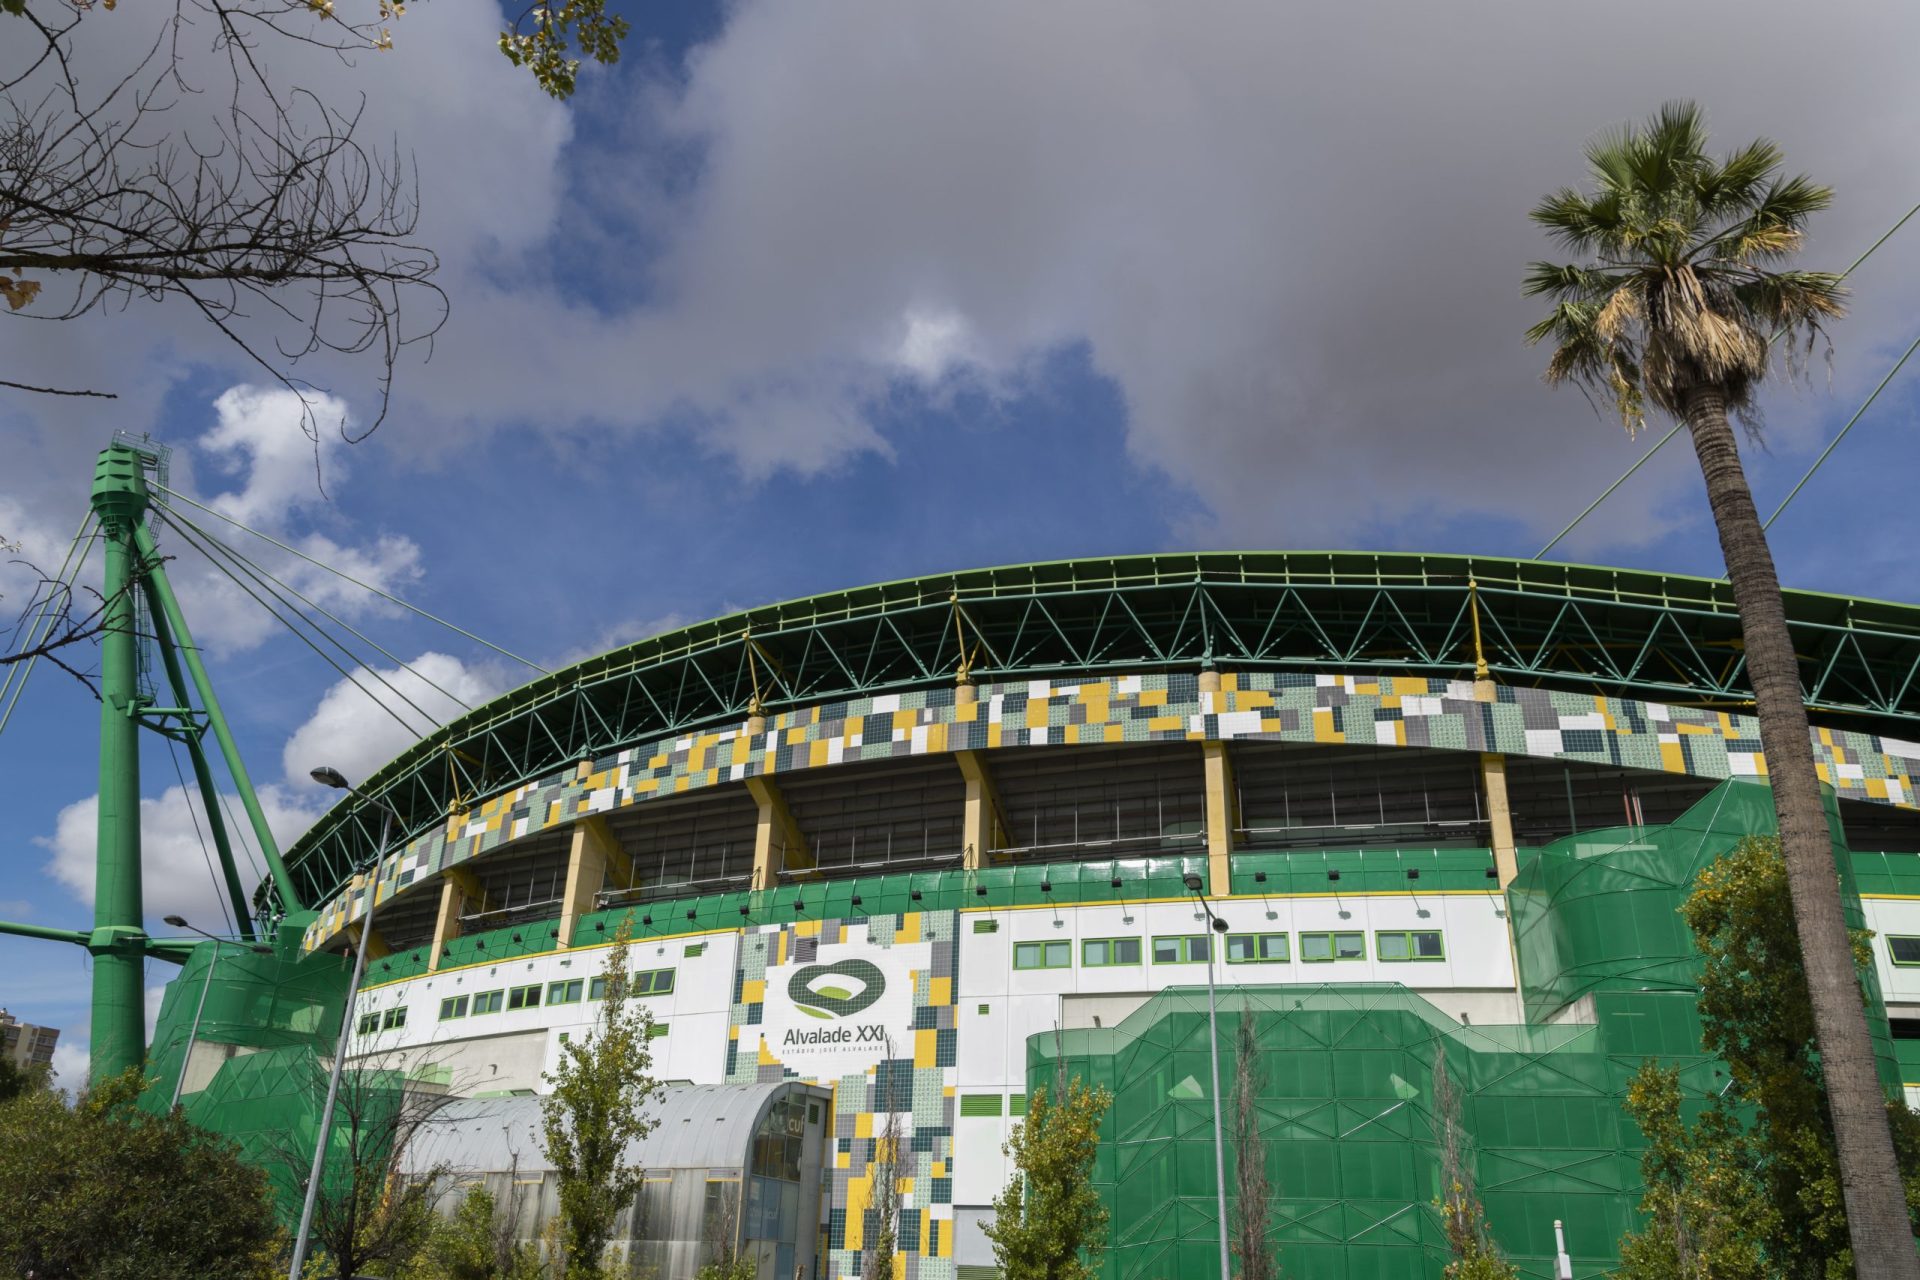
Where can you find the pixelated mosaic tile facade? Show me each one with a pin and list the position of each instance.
(1416, 711)
(919, 1087)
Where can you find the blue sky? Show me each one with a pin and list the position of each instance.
(801, 298)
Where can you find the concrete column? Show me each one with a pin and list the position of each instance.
(778, 843)
(1222, 818)
(459, 888)
(376, 945)
(594, 853)
(984, 827)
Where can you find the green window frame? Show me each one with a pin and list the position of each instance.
(696, 949)
(657, 1031)
(647, 982)
(394, 1017)
(524, 997)
(1047, 954)
(1182, 948)
(986, 926)
(1401, 946)
(1107, 953)
(488, 1002)
(453, 1007)
(1258, 948)
(369, 1023)
(597, 989)
(1903, 950)
(566, 991)
(1327, 947)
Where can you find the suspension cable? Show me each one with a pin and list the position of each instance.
(1835, 442)
(300, 635)
(258, 571)
(37, 631)
(1661, 443)
(219, 884)
(355, 581)
(270, 585)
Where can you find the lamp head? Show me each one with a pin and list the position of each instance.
(328, 776)
(178, 922)
(1192, 881)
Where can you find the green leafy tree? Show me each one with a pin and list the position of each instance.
(1752, 1187)
(1048, 1222)
(602, 1087)
(1681, 290)
(106, 1190)
(475, 1244)
(1464, 1220)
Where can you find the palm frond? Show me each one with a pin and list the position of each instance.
(1572, 219)
(1561, 280)
(1732, 186)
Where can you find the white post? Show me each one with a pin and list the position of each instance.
(193, 1030)
(339, 1056)
(1562, 1263)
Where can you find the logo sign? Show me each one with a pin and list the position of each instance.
(836, 990)
(837, 1012)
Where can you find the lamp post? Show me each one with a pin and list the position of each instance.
(328, 777)
(1195, 887)
(193, 1029)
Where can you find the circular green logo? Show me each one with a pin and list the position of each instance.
(836, 990)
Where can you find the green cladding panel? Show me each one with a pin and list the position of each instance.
(1345, 1086)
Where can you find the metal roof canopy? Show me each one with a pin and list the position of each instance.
(1664, 637)
(704, 1126)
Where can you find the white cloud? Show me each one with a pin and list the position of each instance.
(69, 1064)
(176, 874)
(259, 435)
(351, 732)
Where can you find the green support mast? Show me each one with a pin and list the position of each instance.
(118, 943)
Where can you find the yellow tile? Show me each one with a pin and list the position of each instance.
(1671, 759)
(807, 928)
(1153, 697)
(1037, 714)
(904, 720)
(817, 754)
(754, 992)
(940, 990)
(936, 737)
(863, 1125)
(1165, 724)
(909, 930)
(1115, 732)
(925, 1051)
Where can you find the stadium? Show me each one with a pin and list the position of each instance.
(913, 850)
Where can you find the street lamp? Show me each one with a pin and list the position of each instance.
(193, 1030)
(330, 777)
(1196, 887)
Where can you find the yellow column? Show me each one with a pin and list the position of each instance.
(1221, 818)
(778, 843)
(1493, 783)
(985, 822)
(376, 945)
(446, 924)
(594, 853)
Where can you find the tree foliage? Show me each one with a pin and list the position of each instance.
(1684, 285)
(883, 1250)
(476, 1243)
(107, 1190)
(601, 1089)
(1048, 1222)
(1751, 1187)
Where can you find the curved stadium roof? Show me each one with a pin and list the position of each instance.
(1658, 636)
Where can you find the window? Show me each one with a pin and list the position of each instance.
(524, 997)
(1904, 950)
(565, 992)
(986, 926)
(1101, 953)
(1257, 948)
(488, 1001)
(1421, 944)
(657, 1031)
(1320, 948)
(696, 948)
(453, 1007)
(1043, 955)
(395, 1017)
(1192, 948)
(369, 1023)
(648, 982)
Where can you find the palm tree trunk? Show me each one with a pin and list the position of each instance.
(1877, 1222)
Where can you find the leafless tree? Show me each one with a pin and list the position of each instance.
(375, 1207)
(1253, 1192)
(186, 169)
(55, 617)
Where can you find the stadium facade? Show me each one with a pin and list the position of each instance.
(913, 850)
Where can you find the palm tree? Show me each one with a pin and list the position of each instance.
(1683, 291)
